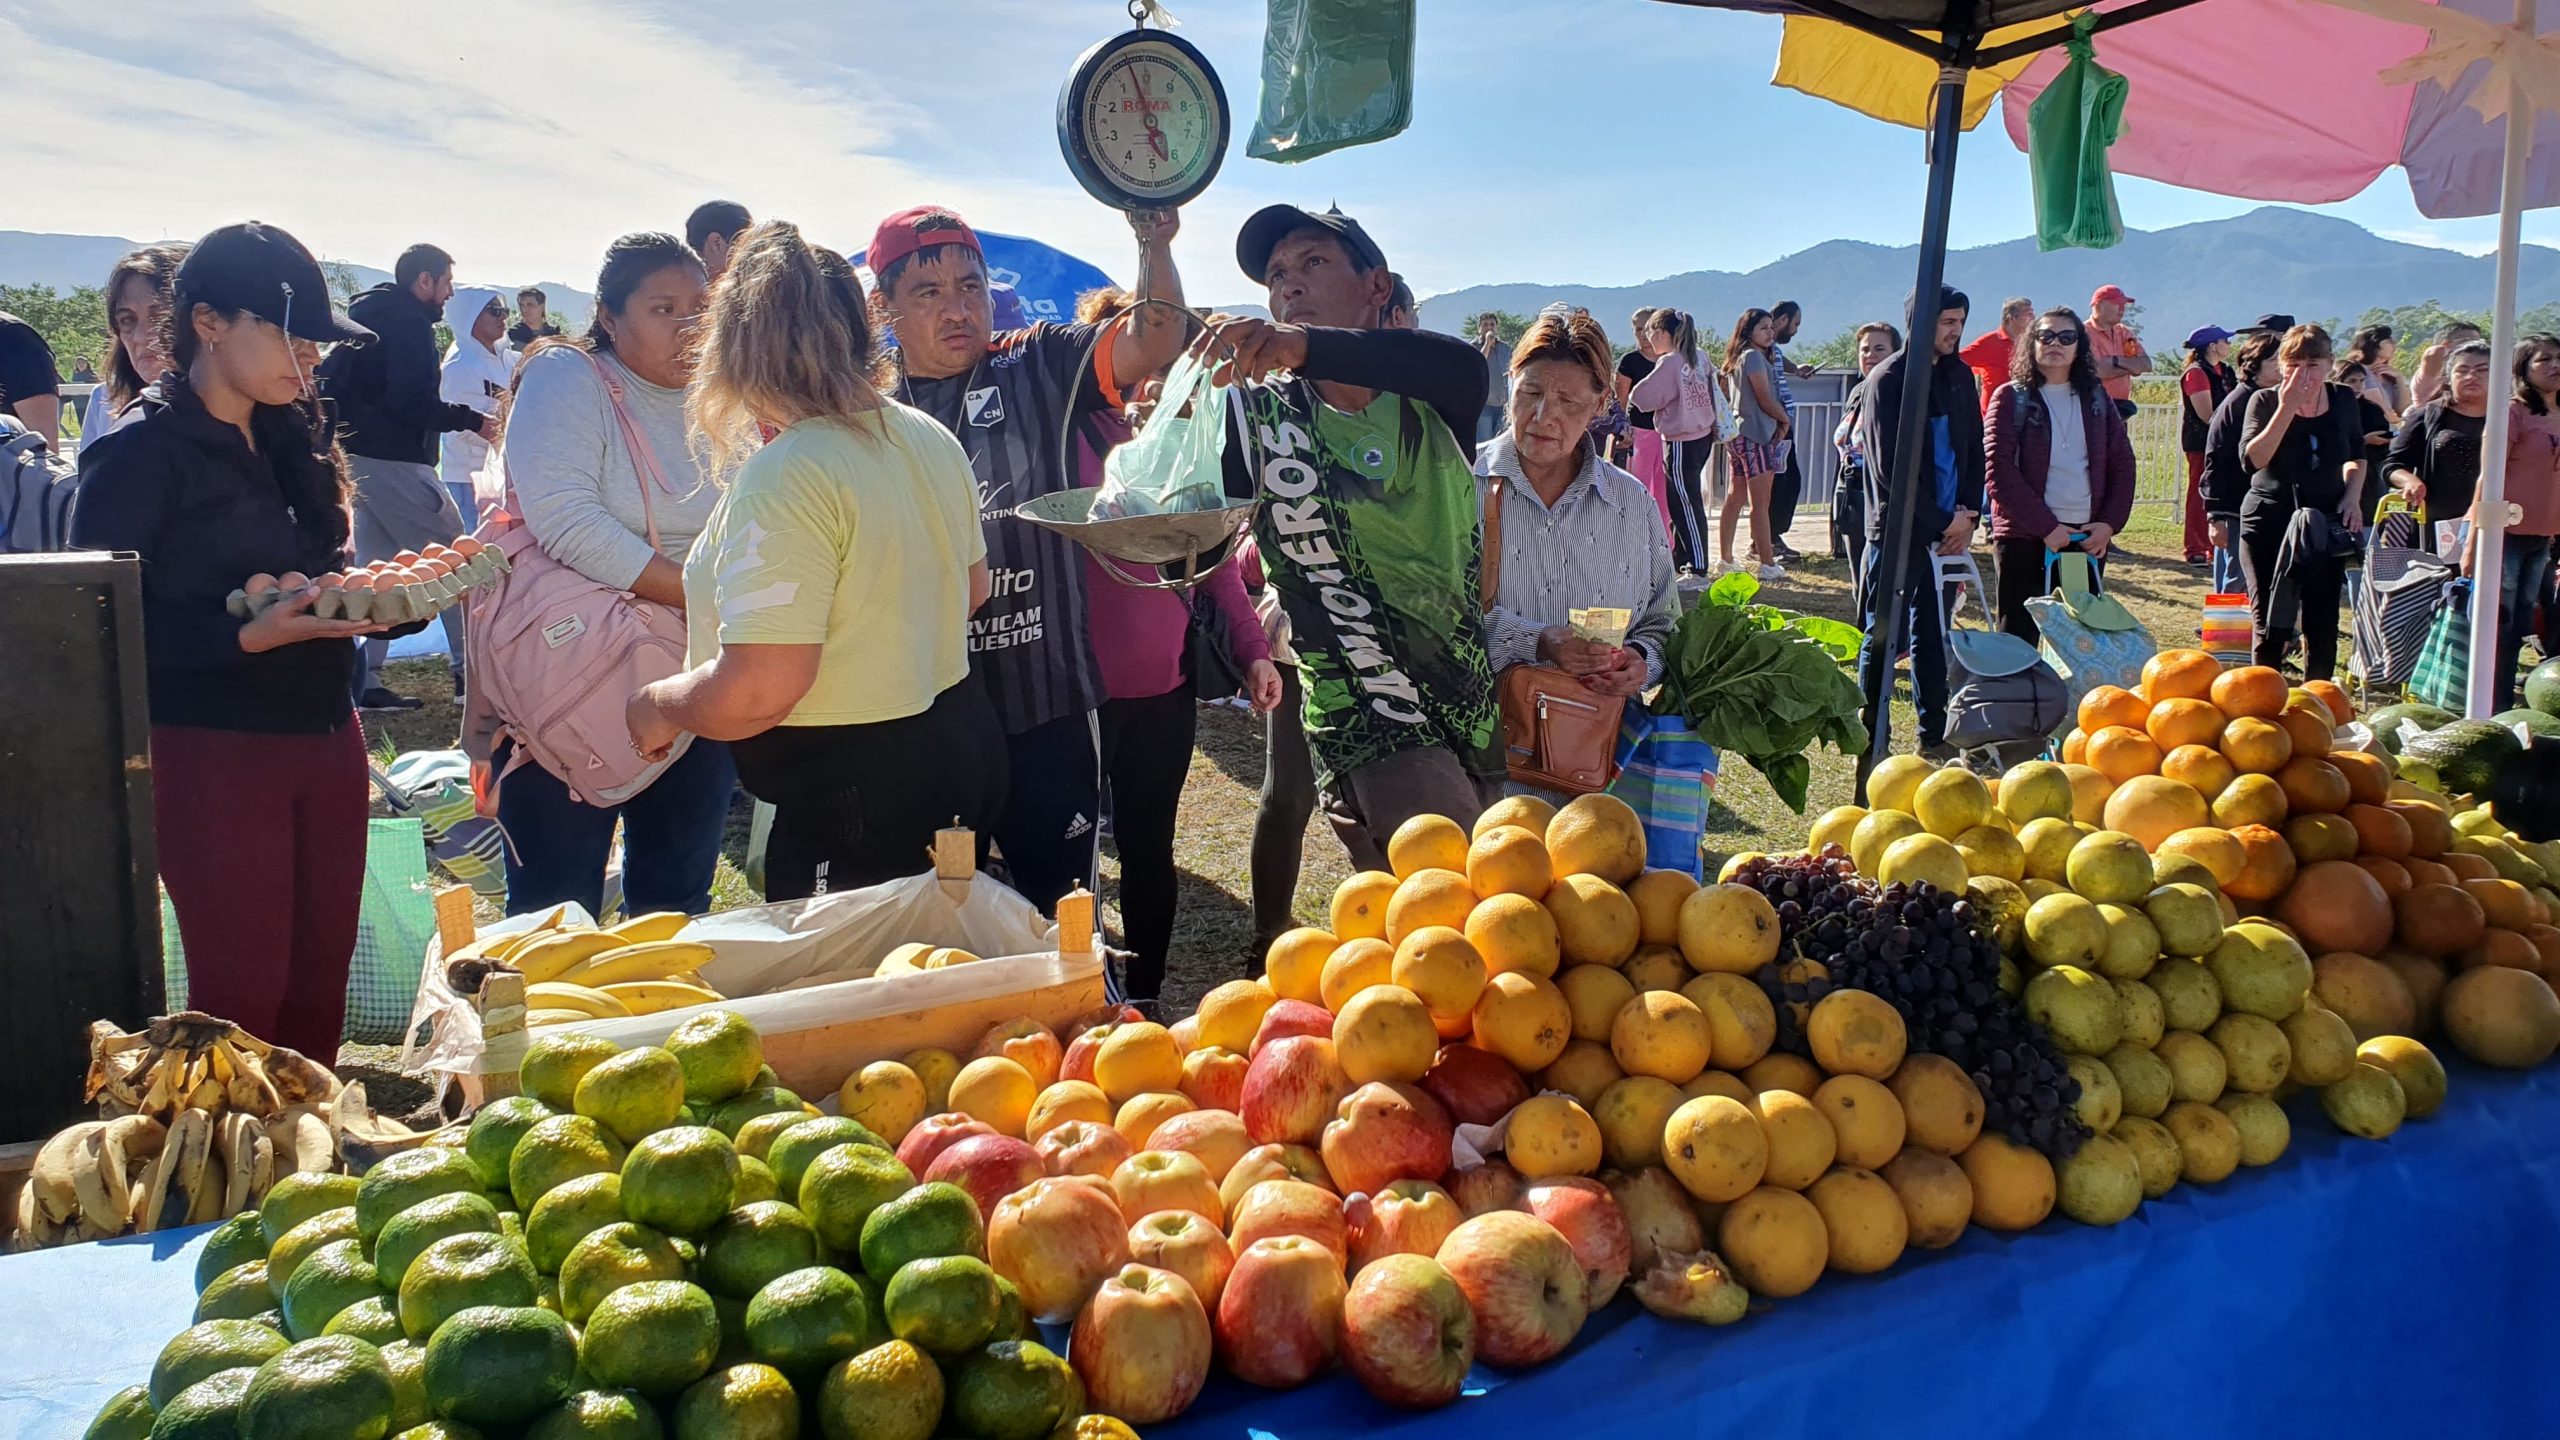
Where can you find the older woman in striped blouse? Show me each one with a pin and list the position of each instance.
(1576, 531)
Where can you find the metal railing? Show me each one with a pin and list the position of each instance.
(2160, 465)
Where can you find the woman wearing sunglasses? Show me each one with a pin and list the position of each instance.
(2303, 443)
(2061, 472)
(224, 472)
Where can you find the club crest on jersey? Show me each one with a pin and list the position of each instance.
(984, 408)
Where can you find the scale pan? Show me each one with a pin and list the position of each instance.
(1167, 539)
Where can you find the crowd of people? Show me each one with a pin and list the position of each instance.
(799, 488)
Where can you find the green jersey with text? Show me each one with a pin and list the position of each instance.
(1369, 532)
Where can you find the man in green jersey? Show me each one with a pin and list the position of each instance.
(1359, 439)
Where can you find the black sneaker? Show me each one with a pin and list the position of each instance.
(378, 698)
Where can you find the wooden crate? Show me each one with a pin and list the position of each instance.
(79, 881)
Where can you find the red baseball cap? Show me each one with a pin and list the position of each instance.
(2101, 295)
(909, 231)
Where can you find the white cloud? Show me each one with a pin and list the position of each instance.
(364, 126)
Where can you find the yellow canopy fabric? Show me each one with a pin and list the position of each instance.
(1830, 61)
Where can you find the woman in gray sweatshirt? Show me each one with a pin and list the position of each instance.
(575, 479)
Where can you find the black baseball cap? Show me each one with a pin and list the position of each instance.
(2277, 323)
(1272, 224)
(258, 268)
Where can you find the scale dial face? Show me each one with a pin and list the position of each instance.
(1143, 121)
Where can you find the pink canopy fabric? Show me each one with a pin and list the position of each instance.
(2282, 100)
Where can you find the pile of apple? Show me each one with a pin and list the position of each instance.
(1384, 1155)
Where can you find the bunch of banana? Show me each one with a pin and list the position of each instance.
(638, 967)
(201, 1118)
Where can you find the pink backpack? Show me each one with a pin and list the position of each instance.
(1684, 398)
(553, 656)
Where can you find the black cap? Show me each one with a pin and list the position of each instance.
(1272, 224)
(258, 268)
(2278, 323)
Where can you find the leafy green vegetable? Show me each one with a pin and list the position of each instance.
(1765, 684)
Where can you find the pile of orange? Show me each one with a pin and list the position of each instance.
(2258, 753)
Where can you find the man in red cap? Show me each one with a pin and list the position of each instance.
(2114, 346)
(1010, 398)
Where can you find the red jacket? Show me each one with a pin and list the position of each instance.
(2019, 444)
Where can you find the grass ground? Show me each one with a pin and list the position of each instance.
(1215, 928)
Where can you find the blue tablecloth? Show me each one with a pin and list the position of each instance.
(2353, 1288)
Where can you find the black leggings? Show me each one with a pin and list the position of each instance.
(1146, 755)
(857, 805)
(2317, 585)
(1280, 825)
(1684, 470)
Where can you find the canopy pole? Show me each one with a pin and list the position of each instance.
(2488, 570)
(1890, 566)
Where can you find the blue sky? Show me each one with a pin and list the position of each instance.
(1599, 141)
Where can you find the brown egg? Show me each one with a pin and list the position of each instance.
(292, 580)
(331, 581)
(435, 567)
(407, 557)
(467, 546)
(259, 584)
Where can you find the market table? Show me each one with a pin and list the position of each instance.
(2352, 1289)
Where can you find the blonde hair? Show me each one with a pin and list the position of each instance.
(787, 338)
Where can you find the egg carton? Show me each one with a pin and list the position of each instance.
(408, 588)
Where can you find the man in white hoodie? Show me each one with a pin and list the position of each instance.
(475, 374)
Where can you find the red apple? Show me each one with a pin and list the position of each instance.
(1184, 1242)
(934, 1134)
(1477, 1087)
(1524, 1284)
(1484, 1188)
(1214, 1078)
(1660, 1220)
(1142, 1347)
(1406, 1217)
(1384, 1132)
(1186, 1033)
(1026, 1042)
(1055, 1239)
(1587, 1216)
(989, 1167)
(1280, 1317)
(1077, 1062)
(1408, 1333)
(1293, 1017)
(1154, 1180)
(1290, 1207)
(1291, 1089)
(1082, 1147)
(1272, 1162)
(1107, 1015)
(1216, 1136)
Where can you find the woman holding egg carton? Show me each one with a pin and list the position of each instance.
(226, 470)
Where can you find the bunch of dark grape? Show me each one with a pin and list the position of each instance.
(1923, 950)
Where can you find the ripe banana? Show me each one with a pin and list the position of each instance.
(647, 997)
(169, 1197)
(555, 955)
(649, 960)
(506, 950)
(120, 1154)
(247, 1087)
(55, 1175)
(298, 1079)
(536, 1018)
(300, 1141)
(35, 1229)
(641, 929)
(561, 995)
(248, 1161)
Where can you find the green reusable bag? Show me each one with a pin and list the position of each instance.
(1335, 73)
(2069, 128)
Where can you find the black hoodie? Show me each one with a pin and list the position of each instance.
(185, 492)
(387, 393)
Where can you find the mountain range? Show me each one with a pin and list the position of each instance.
(2213, 272)
(67, 262)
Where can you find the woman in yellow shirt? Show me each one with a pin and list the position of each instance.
(827, 601)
